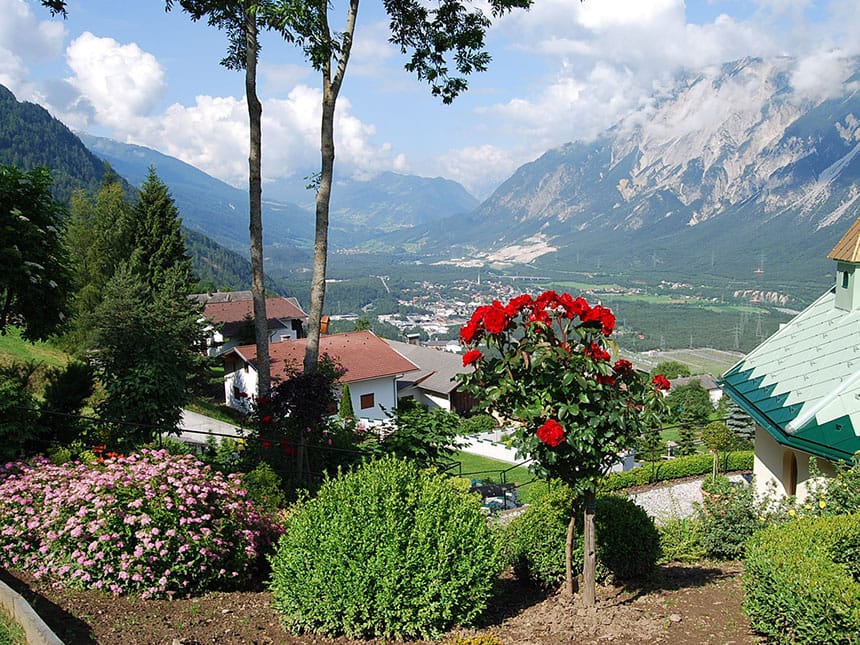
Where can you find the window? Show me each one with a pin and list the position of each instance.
(367, 401)
(844, 279)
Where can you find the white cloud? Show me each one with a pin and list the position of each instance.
(24, 40)
(821, 75)
(30, 38)
(122, 82)
(611, 14)
(479, 168)
(212, 135)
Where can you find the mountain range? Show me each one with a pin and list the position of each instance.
(730, 171)
(736, 174)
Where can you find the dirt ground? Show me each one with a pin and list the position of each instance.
(685, 605)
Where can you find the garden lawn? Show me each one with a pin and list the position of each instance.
(11, 633)
(492, 470)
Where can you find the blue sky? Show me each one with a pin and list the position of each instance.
(564, 71)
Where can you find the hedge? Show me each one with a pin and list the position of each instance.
(534, 542)
(700, 464)
(801, 581)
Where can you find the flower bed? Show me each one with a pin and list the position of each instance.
(150, 523)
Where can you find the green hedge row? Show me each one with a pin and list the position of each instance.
(802, 580)
(700, 464)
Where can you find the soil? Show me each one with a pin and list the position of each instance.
(685, 605)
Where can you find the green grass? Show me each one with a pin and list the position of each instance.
(11, 633)
(486, 469)
(13, 348)
(218, 411)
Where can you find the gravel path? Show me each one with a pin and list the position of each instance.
(678, 500)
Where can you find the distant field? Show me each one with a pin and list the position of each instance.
(700, 361)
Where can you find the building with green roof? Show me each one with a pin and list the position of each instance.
(802, 385)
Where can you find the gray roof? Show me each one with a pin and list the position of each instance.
(436, 368)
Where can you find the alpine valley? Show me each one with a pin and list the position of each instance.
(733, 181)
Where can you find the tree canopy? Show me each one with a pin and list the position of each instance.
(34, 281)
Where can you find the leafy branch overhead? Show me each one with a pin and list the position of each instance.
(434, 35)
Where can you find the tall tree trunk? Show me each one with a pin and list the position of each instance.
(258, 287)
(321, 237)
(331, 88)
(569, 581)
(589, 551)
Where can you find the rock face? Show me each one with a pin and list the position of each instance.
(730, 165)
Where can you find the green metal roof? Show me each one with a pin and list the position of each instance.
(802, 384)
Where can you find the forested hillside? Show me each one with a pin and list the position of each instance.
(30, 137)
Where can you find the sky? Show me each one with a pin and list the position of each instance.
(563, 71)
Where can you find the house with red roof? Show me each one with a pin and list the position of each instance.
(232, 314)
(372, 369)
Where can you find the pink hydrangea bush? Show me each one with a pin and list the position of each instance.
(152, 524)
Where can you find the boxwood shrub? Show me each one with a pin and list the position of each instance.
(628, 544)
(388, 550)
(678, 468)
(799, 581)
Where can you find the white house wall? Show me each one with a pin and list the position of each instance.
(384, 396)
(242, 380)
(438, 401)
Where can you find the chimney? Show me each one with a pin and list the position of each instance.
(413, 339)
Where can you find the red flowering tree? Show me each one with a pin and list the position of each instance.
(547, 362)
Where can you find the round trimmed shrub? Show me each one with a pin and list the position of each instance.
(628, 543)
(151, 523)
(802, 581)
(388, 550)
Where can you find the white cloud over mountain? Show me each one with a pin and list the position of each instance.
(586, 65)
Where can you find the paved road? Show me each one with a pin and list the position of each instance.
(197, 427)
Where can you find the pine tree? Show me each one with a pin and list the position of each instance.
(34, 277)
(345, 410)
(159, 244)
(740, 422)
(99, 237)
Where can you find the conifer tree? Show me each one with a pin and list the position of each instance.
(159, 244)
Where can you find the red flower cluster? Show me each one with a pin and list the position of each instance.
(491, 318)
(606, 379)
(267, 418)
(602, 316)
(661, 382)
(596, 352)
(623, 367)
(495, 318)
(551, 433)
(471, 356)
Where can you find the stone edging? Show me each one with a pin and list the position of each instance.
(37, 632)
